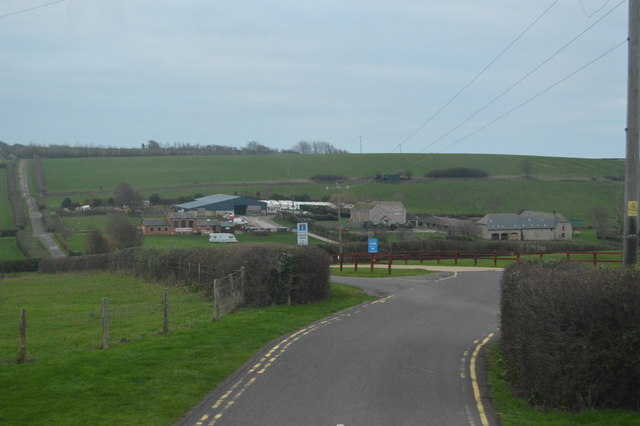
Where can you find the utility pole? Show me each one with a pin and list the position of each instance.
(338, 188)
(630, 240)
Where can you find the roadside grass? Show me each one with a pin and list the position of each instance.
(365, 272)
(9, 250)
(152, 380)
(516, 412)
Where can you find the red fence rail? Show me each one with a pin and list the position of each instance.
(388, 258)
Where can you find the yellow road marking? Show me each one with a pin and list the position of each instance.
(474, 381)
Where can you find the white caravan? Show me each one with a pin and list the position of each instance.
(222, 238)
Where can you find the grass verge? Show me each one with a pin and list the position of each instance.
(365, 272)
(153, 380)
(516, 412)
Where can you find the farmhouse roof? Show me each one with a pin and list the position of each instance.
(155, 222)
(525, 220)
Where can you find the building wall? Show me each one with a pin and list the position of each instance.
(395, 216)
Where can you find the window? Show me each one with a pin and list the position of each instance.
(166, 229)
(191, 224)
(184, 223)
(495, 236)
(175, 223)
(151, 229)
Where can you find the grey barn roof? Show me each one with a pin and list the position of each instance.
(526, 220)
(224, 202)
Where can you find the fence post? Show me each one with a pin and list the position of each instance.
(355, 263)
(216, 299)
(390, 262)
(105, 324)
(475, 258)
(242, 278)
(341, 257)
(165, 312)
(595, 259)
(373, 260)
(455, 258)
(437, 257)
(199, 275)
(22, 357)
(495, 258)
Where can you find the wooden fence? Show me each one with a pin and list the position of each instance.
(457, 256)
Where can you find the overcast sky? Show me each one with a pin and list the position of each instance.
(121, 72)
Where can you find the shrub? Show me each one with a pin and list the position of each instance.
(570, 334)
(20, 265)
(457, 172)
(273, 273)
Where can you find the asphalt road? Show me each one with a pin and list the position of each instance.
(401, 360)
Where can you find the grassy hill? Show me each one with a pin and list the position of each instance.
(571, 186)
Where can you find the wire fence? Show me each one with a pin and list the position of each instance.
(87, 311)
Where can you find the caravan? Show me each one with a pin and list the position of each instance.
(222, 238)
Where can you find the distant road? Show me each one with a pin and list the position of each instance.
(401, 360)
(35, 216)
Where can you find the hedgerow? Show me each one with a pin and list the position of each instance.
(571, 335)
(274, 274)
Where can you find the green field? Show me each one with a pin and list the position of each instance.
(9, 250)
(570, 186)
(6, 216)
(145, 378)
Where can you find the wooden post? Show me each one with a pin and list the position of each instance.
(495, 258)
(595, 259)
(390, 262)
(242, 278)
(455, 259)
(216, 299)
(373, 260)
(165, 312)
(22, 358)
(105, 324)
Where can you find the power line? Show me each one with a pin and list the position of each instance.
(523, 78)
(494, 60)
(32, 8)
(562, 80)
(466, 86)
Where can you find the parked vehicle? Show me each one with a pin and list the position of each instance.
(222, 238)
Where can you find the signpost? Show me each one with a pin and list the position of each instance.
(373, 245)
(303, 234)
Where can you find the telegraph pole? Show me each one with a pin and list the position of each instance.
(338, 188)
(630, 240)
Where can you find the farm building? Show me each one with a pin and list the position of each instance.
(380, 212)
(219, 204)
(449, 225)
(184, 223)
(525, 226)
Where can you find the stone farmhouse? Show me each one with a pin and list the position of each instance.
(380, 213)
(528, 225)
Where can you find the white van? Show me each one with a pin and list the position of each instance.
(222, 238)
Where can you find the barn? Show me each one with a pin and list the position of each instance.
(219, 204)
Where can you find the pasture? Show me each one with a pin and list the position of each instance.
(570, 186)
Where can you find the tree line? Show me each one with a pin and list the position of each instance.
(154, 148)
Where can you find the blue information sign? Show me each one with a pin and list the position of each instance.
(373, 245)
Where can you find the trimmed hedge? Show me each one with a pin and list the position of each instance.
(19, 265)
(274, 274)
(571, 335)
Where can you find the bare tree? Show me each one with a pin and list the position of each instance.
(96, 243)
(600, 217)
(124, 233)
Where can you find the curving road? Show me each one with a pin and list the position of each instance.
(403, 359)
